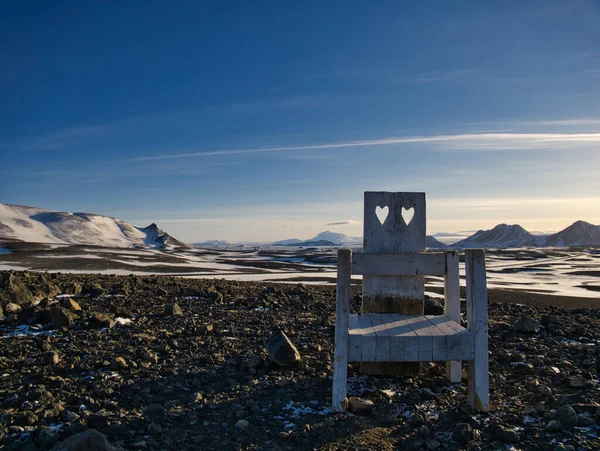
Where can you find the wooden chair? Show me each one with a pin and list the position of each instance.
(392, 277)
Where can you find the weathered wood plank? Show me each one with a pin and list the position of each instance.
(404, 264)
(467, 347)
(477, 314)
(453, 341)
(401, 333)
(408, 338)
(425, 340)
(384, 339)
(393, 294)
(354, 340)
(411, 349)
(368, 339)
(452, 311)
(439, 338)
(342, 323)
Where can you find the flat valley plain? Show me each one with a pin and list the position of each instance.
(148, 379)
(564, 272)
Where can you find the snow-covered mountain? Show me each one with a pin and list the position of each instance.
(580, 233)
(450, 238)
(339, 239)
(36, 225)
(501, 236)
(290, 242)
(227, 244)
(326, 238)
(432, 243)
(336, 238)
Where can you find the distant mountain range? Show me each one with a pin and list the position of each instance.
(580, 233)
(36, 225)
(502, 235)
(32, 224)
(326, 238)
(577, 234)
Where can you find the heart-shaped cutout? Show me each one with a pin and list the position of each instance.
(382, 213)
(408, 214)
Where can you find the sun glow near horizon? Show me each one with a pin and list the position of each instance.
(444, 215)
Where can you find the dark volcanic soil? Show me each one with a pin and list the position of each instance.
(203, 380)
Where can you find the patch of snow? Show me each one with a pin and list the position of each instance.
(13, 267)
(90, 256)
(298, 410)
(23, 331)
(123, 321)
(56, 427)
(358, 385)
(530, 420)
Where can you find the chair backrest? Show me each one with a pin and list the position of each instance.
(402, 230)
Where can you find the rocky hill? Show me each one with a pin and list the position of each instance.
(501, 236)
(36, 225)
(433, 243)
(580, 233)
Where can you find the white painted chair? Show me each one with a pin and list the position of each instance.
(392, 326)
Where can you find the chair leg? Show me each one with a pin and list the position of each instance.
(454, 371)
(340, 374)
(342, 322)
(452, 307)
(477, 317)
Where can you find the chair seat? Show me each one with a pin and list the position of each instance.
(408, 338)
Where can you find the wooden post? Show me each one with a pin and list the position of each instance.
(479, 378)
(393, 294)
(452, 307)
(342, 319)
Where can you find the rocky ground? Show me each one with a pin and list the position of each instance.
(120, 358)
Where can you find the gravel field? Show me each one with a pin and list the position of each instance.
(114, 354)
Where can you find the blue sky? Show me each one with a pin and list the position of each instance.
(265, 120)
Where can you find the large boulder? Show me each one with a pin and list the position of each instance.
(214, 295)
(12, 308)
(433, 306)
(61, 317)
(70, 304)
(12, 290)
(73, 288)
(98, 320)
(282, 350)
(173, 310)
(93, 290)
(90, 440)
(360, 406)
(566, 415)
(527, 325)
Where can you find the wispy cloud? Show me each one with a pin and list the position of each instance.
(513, 80)
(458, 142)
(440, 76)
(567, 122)
(509, 202)
(63, 137)
(513, 126)
(351, 221)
